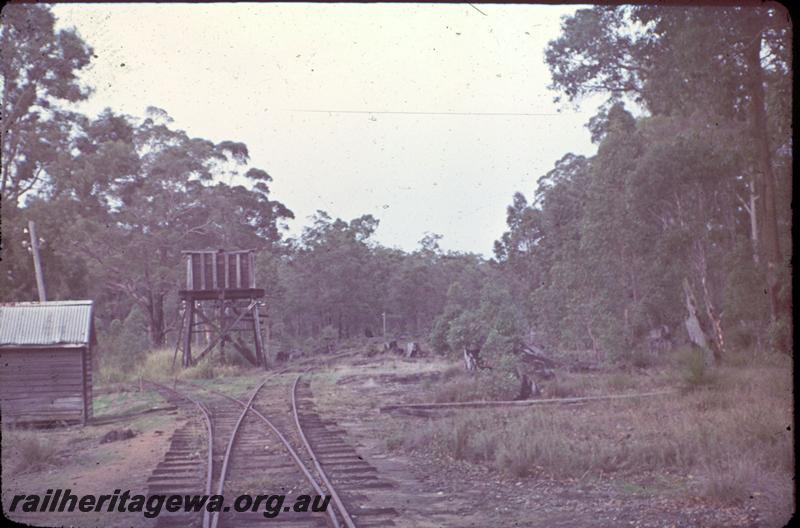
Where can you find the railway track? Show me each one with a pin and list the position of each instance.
(273, 442)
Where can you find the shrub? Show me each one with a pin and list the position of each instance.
(779, 335)
(730, 481)
(203, 370)
(452, 372)
(125, 343)
(495, 384)
(157, 365)
(692, 368)
(621, 382)
(641, 358)
(30, 450)
(439, 335)
(565, 386)
(329, 333)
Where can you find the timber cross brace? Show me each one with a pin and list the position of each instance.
(220, 305)
(233, 321)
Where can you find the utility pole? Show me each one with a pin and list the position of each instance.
(384, 325)
(37, 263)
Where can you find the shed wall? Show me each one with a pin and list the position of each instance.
(43, 385)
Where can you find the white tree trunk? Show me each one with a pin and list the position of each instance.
(693, 326)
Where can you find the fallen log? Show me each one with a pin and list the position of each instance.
(535, 353)
(518, 403)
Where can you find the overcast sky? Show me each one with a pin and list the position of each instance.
(426, 160)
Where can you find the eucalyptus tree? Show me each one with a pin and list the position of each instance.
(39, 68)
(168, 199)
(727, 69)
(331, 277)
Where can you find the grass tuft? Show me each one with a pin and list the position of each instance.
(692, 368)
(31, 451)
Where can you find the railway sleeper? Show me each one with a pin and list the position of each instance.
(364, 484)
(336, 457)
(347, 468)
(171, 489)
(358, 511)
(178, 464)
(159, 472)
(175, 484)
(370, 523)
(332, 445)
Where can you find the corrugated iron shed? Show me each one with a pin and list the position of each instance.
(52, 323)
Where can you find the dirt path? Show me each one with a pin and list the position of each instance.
(85, 466)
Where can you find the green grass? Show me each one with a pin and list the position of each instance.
(691, 365)
(125, 402)
(157, 366)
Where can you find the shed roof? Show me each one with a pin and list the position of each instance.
(52, 323)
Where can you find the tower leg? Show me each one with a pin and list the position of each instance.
(223, 323)
(179, 340)
(261, 352)
(187, 337)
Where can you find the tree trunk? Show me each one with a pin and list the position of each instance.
(716, 324)
(760, 135)
(694, 326)
(156, 323)
(753, 212)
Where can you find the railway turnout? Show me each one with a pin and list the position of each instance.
(270, 443)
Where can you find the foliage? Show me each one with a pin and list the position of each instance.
(692, 367)
(125, 343)
(39, 67)
(480, 312)
(31, 450)
(334, 275)
(605, 244)
(691, 181)
(677, 191)
(120, 197)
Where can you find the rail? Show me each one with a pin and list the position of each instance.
(295, 458)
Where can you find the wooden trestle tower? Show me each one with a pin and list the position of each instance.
(221, 305)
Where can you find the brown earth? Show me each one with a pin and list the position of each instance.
(86, 466)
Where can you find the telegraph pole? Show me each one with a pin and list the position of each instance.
(37, 263)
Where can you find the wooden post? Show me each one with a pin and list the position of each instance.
(202, 271)
(37, 263)
(238, 271)
(187, 342)
(222, 324)
(261, 352)
(85, 413)
(252, 270)
(179, 339)
(214, 281)
(384, 325)
(189, 277)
